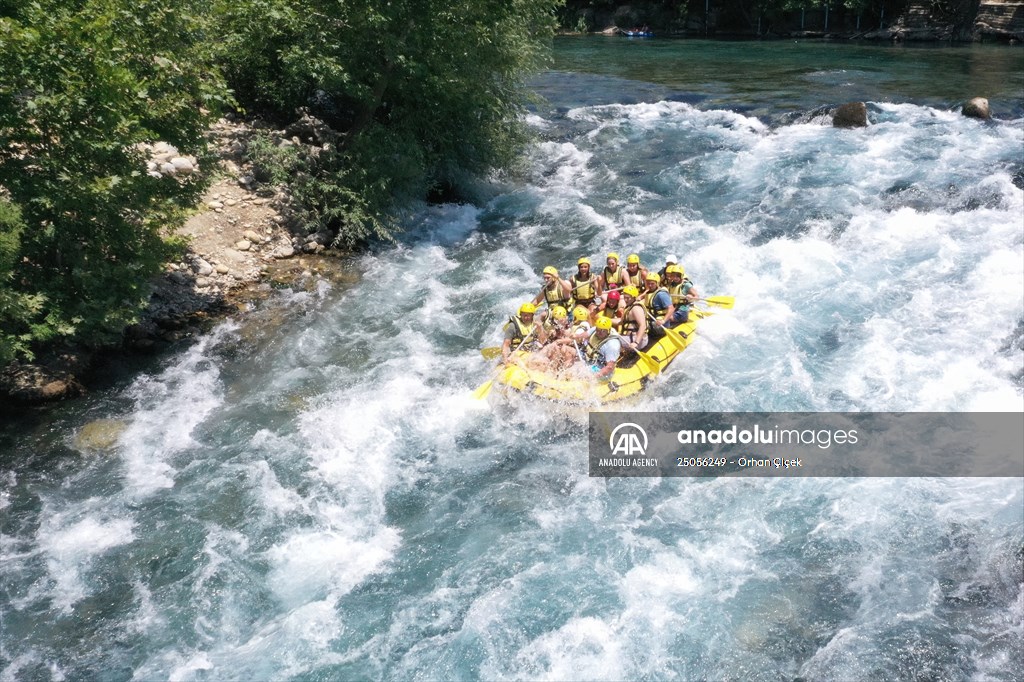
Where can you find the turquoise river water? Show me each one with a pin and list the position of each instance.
(311, 493)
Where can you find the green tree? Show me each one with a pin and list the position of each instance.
(20, 312)
(424, 93)
(82, 84)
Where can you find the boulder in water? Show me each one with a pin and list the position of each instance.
(976, 108)
(99, 436)
(850, 115)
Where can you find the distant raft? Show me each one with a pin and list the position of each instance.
(630, 377)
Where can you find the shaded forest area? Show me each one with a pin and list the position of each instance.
(958, 20)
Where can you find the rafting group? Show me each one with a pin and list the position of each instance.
(593, 319)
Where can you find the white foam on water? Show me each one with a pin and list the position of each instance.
(877, 269)
(169, 406)
(71, 545)
(313, 564)
(583, 648)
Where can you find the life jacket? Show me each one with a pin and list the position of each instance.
(637, 278)
(523, 332)
(555, 296)
(649, 300)
(584, 290)
(679, 292)
(592, 347)
(629, 325)
(614, 279)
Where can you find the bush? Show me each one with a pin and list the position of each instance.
(425, 93)
(82, 83)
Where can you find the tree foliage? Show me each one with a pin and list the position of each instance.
(82, 83)
(423, 92)
(419, 93)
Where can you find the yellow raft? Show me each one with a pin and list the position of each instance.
(627, 380)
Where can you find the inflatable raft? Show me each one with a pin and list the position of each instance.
(629, 378)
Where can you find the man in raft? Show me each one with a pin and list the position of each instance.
(634, 318)
(520, 332)
(683, 294)
(602, 349)
(555, 291)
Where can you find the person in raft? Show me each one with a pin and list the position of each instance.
(683, 294)
(520, 332)
(602, 349)
(585, 286)
(555, 290)
(634, 319)
(670, 259)
(614, 276)
(637, 273)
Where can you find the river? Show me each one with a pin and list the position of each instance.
(312, 493)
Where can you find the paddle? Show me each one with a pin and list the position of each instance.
(485, 388)
(651, 362)
(491, 353)
(720, 301)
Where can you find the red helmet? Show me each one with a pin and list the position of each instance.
(613, 296)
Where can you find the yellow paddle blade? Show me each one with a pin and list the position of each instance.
(674, 337)
(652, 364)
(720, 301)
(491, 353)
(484, 390)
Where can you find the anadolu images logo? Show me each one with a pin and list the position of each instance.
(632, 440)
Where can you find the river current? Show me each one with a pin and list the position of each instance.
(312, 493)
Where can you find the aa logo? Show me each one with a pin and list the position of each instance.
(629, 440)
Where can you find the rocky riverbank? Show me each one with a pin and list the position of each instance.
(241, 246)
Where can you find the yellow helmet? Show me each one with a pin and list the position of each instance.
(559, 313)
(630, 291)
(583, 261)
(551, 270)
(527, 309)
(633, 258)
(604, 322)
(613, 255)
(579, 313)
(653, 277)
(675, 270)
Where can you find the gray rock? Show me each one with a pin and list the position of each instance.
(202, 282)
(252, 236)
(183, 165)
(203, 269)
(167, 169)
(165, 148)
(243, 245)
(977, 108)
(284, 252)
(223, 269)
(215, 204)
(851, 115)
(99, 435)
